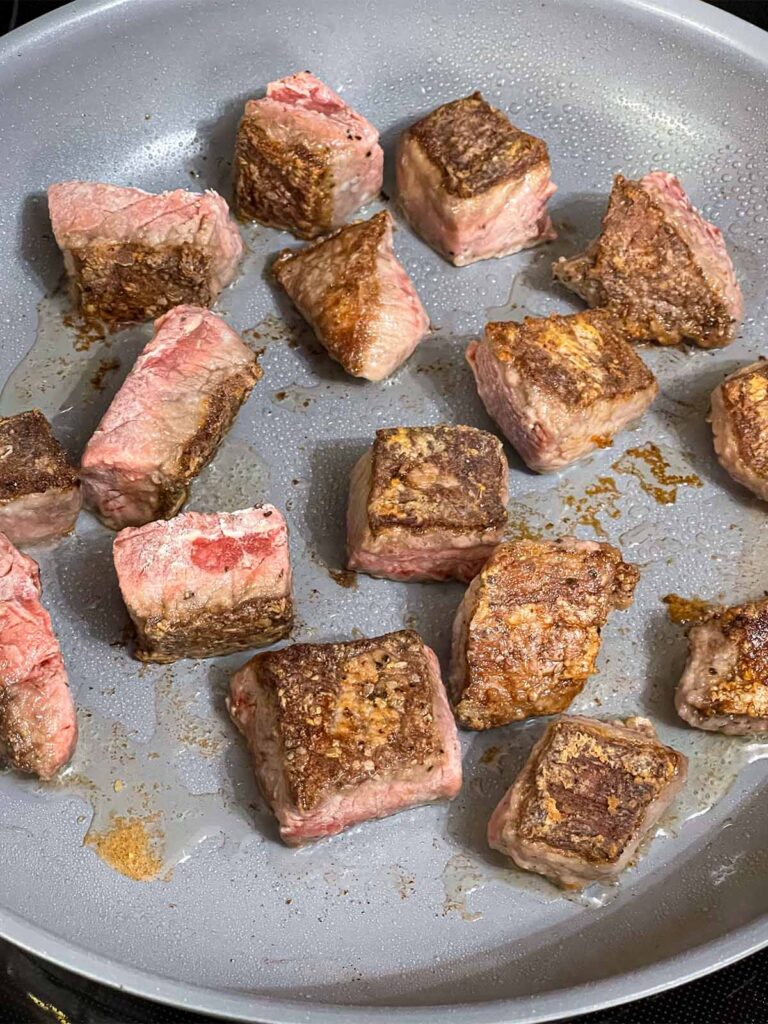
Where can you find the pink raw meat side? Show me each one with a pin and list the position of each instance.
(86, 213)
(134, 457)
(38, 724)
(202, 561)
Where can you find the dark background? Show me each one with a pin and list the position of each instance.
(33, 992)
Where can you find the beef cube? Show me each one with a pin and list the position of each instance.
(131, 255)
(739, 420)
(357, 297)
(38, 724)
(427, 503)
(587, 795)
(527, 632)
(560, 386)
(472, 185)
(206, 584)
(304, 160)
(39, 488)
(724, 687)
(343, 733)
(658, 264)
(168, 418)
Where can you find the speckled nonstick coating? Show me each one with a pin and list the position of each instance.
(412, 918)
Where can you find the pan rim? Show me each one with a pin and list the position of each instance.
(612, 991)
(664, 974)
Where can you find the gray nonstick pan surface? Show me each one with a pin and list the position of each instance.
(412, 918)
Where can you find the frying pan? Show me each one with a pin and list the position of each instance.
(412, 918)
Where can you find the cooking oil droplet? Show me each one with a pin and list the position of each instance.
(237, 477)
(158, 790)
(57, 373)
(461, 877)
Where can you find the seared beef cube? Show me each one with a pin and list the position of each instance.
(560, 386)
(168, 418)
(304, 160)
(587, 795)
(740, 426)
(38, 724)
(427, 503)
(39, 488)
(131, 255)
(527, 633)
(472, 185)
(658, 264)
(206, 584)
(724, 687)
(357, 297)
(343, 733)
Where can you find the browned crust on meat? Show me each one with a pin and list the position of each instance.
(534, 633)
(574, 273)
(221, 408)
(582, 359)
(289, 187)
(17, 744)
(20, 746)
(642, 270)
(743, 688)
(343, 314)
(31, 459)
(745, 401)
(350, 712)
(588, 791)
(253, 623)
(441, 477)
(124, 282)
(475, 146)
